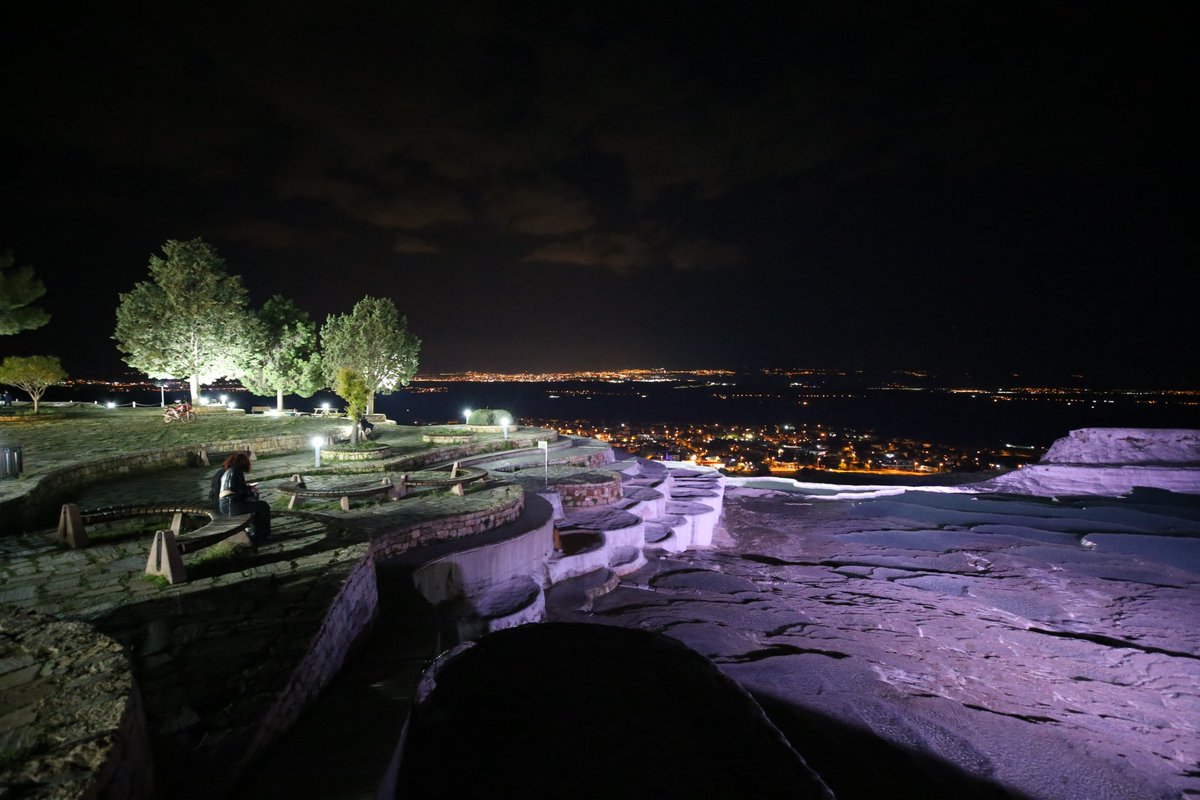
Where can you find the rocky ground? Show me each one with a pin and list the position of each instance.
(946, 645)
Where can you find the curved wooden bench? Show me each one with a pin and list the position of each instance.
(297, 491)
(166, 553)
(456, 479)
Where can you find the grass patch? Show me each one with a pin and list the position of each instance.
(223, 551)
(158, 580)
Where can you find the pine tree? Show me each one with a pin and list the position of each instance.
(18, 288)
(189, 320)
(373, 340)
(284, 358)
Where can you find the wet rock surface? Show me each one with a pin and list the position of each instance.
(930, 645)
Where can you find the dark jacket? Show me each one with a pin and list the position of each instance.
(214, 490)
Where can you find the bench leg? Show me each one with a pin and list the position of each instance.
(345, 503)
(177, 524)
(457, 489)
(293, 501)
(71, 530)
(165, 559)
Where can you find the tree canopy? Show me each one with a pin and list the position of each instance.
(18, 288)
(284, 358)
(373, 340)
(32, 374)
(189, 320)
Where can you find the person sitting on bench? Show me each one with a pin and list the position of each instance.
(238, 497)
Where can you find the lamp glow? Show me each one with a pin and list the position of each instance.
(466, 416)
(316, 442)
(223, 399)
(504, 423)
(111, 404)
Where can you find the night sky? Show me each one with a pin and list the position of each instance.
(990, 188)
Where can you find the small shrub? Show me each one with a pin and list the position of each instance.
(489, 416)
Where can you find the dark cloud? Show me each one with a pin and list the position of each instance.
(275, 235)
(549, 208)
(705, 254)
(413, 245)
(621, 253)
(896, 151)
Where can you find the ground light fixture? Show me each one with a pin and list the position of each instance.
(504, 423)
(223, 399)
(111, 404)
(466, 416)
(316, 442)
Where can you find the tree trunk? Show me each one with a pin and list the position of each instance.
(279, 399)
(371, 403)
(194, 383)
(37, 398)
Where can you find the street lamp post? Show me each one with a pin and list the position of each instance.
(316, 442)
(544, 446)
(162, 391)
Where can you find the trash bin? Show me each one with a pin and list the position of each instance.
(10, 461)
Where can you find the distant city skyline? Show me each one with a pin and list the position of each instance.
(948, 187)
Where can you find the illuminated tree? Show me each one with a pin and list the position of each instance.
(189, 320)
(32, 374)
(18, 288)
(283, 358)
(373, 340)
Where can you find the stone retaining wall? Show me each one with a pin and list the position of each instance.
(350, 615)
(371, 454)
(355, 608)
(39, 506)
(583, 495)
(73, 724)
(405, 537)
